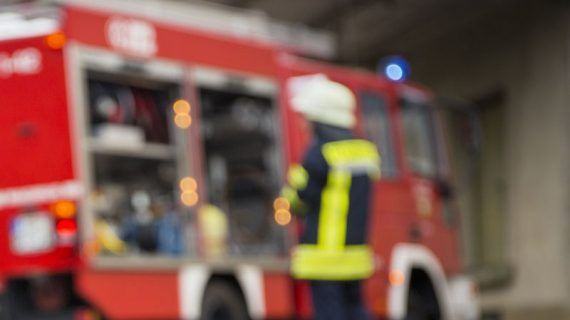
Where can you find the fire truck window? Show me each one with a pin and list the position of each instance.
(135, 174)
(239, 133)
(421, 151)
(376, 123)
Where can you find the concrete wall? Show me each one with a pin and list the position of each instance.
(528, 55)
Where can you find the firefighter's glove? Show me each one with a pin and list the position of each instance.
(297, 205)
(297, 179)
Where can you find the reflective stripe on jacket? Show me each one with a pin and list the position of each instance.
(333, 188)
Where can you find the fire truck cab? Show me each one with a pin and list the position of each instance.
(141, 158)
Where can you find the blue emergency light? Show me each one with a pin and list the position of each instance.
(394, 68)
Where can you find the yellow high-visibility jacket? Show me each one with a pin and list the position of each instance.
(333, 187)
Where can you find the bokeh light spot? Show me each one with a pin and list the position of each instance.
(282, 217)
(188, 184)
(281, 203)
(189, 198)
(183, 121)
(181, 107)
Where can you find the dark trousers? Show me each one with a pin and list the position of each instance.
(338, 300)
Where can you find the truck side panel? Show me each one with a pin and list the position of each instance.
(168, 41)
(36, 166)
(34, 124)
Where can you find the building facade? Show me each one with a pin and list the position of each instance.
(505, 86)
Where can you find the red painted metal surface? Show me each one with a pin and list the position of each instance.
(35, 145)
(34, 123)
(131, 295)
(303, 300)
(279, 296)
(178, 43)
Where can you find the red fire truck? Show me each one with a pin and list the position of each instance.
(119, 126)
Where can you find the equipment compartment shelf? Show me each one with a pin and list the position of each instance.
(146, 150)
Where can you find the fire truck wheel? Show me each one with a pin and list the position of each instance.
(4, 307)
(223, 301)
(419, 308)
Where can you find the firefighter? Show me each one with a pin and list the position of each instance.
(331, 191)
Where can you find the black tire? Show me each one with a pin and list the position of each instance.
(420, 307)
(4, 313)
(223, 301)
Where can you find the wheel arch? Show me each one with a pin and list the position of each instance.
(407, 259)
(248, 281)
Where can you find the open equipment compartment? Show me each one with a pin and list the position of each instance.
(243, 163)
(135, 160)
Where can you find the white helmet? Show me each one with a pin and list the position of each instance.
(322, 100)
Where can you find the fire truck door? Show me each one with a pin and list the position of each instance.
(430, 187)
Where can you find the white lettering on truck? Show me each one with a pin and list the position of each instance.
(25, 61)
(132, 36)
